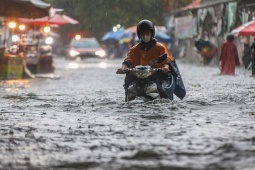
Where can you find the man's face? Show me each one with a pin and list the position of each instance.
(145, 35)
(145, 32)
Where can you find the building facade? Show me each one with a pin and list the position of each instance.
(211, 20)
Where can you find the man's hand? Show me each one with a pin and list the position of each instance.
(165, 69)
(122, 69)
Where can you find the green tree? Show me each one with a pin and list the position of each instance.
(99, 16)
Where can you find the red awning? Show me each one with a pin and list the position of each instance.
(247, 29)
(194, 4)
(57, 19)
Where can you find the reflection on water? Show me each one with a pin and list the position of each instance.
(93, 63)
(73, 65)
(14, 86)
(103, 65)
(56, 124)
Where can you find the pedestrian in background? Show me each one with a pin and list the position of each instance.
(253, 57)
(246, 56)
(228, 57)
(206, 50)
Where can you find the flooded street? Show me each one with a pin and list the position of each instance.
(79, 120)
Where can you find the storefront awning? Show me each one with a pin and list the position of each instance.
(24, 8)
(197, 4)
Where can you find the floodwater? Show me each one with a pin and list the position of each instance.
(77, 119)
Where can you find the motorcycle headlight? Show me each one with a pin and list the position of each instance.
(73, 53)
(100, 53)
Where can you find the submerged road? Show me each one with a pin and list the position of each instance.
(77, 119)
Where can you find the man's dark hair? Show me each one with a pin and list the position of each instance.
(230, 37)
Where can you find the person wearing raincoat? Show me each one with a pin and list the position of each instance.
(246, 55)
(228, 57)
(146, 52)
(253, 57)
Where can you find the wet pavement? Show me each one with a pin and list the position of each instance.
(77, 119)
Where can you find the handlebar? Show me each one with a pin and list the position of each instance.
(130, 70)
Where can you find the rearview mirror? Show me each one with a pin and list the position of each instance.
(162, 58)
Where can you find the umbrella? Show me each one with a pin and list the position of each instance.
(24, 8)
(247, 29)
(131, 29)
(57, 19)
(69, 19)
(113, 35)
(157, 28)
(159, 35)
(162, 37)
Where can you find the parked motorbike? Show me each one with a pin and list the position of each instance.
(45, 63)
(146, 84)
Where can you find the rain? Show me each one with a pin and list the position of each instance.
(74, 115)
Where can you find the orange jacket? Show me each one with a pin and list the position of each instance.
(136, 56)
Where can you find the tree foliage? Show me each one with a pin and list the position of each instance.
(96, 17)
(99, 16)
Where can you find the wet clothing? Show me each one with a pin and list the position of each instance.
(253, 58)
(146, 54)
(206, 49)
(246, 57)
(229, 58)
(253, 48)
(200, 44)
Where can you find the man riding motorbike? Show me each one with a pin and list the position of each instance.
(146, 53)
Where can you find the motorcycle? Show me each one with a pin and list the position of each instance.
(45, 62)
(148, 82)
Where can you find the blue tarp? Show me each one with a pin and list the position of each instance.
(117, 35)
(162, 37)
(113, 35)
